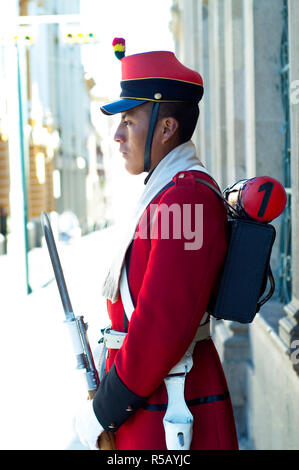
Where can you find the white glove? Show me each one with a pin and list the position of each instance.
(87, 425)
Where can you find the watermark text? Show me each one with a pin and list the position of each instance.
(175, 222)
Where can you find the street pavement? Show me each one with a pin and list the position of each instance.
(41, 389)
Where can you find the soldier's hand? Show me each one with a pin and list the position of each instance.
(87, 425)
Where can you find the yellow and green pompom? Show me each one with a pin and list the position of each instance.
(119, 47)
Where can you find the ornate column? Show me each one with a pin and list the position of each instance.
(289, 325)
(204, 132)
(217, 90)
(235, 89)
(231, 338)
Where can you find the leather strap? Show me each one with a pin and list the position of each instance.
(206, 183)
(149, 138)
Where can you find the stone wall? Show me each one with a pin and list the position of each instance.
(272, 392)
(241, 134)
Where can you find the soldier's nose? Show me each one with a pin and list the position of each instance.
(118, 136)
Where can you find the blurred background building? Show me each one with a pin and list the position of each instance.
(247, 52)
(59, 151)
(60, 116)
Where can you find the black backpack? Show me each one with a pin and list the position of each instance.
(246, 270)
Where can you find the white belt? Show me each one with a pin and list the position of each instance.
(178, 420)
(185, 364)
(114, 339)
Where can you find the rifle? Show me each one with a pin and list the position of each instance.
(77, 329)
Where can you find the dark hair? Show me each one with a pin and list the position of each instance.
(185, 113)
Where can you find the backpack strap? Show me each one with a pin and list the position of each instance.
(199, 180)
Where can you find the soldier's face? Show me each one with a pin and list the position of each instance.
(131, 135)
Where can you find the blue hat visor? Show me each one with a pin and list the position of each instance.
(121, 106)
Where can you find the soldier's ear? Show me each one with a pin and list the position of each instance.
(169, 128)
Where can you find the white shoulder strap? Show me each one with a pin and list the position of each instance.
(125, 294)
(124, 283)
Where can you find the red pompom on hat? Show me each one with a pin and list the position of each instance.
(119, 47)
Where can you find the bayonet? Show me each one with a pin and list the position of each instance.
(76, 325)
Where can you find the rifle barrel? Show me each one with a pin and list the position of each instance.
(65, 299)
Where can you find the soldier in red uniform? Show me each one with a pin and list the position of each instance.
(164, 385)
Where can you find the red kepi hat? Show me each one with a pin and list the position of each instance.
(156, 76)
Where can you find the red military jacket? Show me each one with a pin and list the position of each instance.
(170, 287)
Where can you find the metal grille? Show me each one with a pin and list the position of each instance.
(285, 276)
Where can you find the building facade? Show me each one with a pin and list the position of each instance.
(59, 88)
(61, 152)
(246, 52)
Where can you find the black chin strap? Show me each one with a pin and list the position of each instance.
(149, 138)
